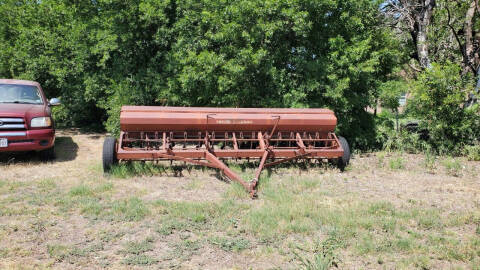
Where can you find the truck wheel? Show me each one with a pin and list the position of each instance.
(109, 155)
(345, 159)
(48, 154)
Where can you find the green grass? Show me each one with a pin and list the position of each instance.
(132, 209)
(81, 190)
(47, 184)
(473, 152)
(185, 249)
(135, 247)
(94, 202)
(430, 161)
(300, 207)
(452, 166)
(135, 252)
(141, 259)
(396, 163)
(67, 253)
(130, 169)
(229, 243)
(324, 253)
(310, 222)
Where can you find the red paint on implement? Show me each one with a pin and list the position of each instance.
(204, 135)
(225, 119)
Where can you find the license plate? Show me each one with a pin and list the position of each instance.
(3, 142)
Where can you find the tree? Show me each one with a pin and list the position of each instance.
(100, 55)
(437, 95)
(414, 16)
(390, 93)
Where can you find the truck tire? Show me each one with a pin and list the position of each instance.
(109, 156)
(47, 154)
(345, 159)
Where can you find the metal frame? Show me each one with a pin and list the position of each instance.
(208, 148)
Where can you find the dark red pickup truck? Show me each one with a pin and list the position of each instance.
(26, 123)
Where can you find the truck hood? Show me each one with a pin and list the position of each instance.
(26, 111)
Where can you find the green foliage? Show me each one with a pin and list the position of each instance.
(402, 140)
(230, 244)
(472, 152)
(397, 163)
(324, 254)
(137, 248)
(438, 96)
(99, 55)
(132, 209)
(135, 252)
(430, 161)
(452, 166)
(390, 92)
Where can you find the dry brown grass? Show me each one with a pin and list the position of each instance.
(387, 211)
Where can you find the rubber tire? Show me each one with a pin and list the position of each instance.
(345, 159)
(47, 154)
(109, 155)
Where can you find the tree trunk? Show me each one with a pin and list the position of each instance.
(469, 49)
(422, 49)
(422, 21)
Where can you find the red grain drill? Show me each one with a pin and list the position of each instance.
(206, 136)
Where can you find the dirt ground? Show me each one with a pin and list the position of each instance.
(386, 211)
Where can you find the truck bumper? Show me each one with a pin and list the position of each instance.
(28, 140)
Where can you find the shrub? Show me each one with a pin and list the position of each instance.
(452, 166)
(397, 163)
(472, 152)
(430, 161)
(438, 96)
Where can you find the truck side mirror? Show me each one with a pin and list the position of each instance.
(54, 102)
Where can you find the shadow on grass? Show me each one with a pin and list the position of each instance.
(65, 150)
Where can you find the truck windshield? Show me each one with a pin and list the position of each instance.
(23, 94)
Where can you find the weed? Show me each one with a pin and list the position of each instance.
(91, 207)
(428, 219)
(171, 225)
(381, 160)
(108, 236)
(141, 259)
(366, 244)
(129, 169)
(381, 208)
(185, 248)
(230, 244)
(132, 209)
(422, 262)
(396, 163)
(65, 253)
(81, 190)
(236, 191)
(3, 252)
(46, 184)
(104, 187)
(135, 252)
(58, 252)
(452, 166)
(324, 255)
(472, 152)
(430, 161)
(137, 248)
(404, 244)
